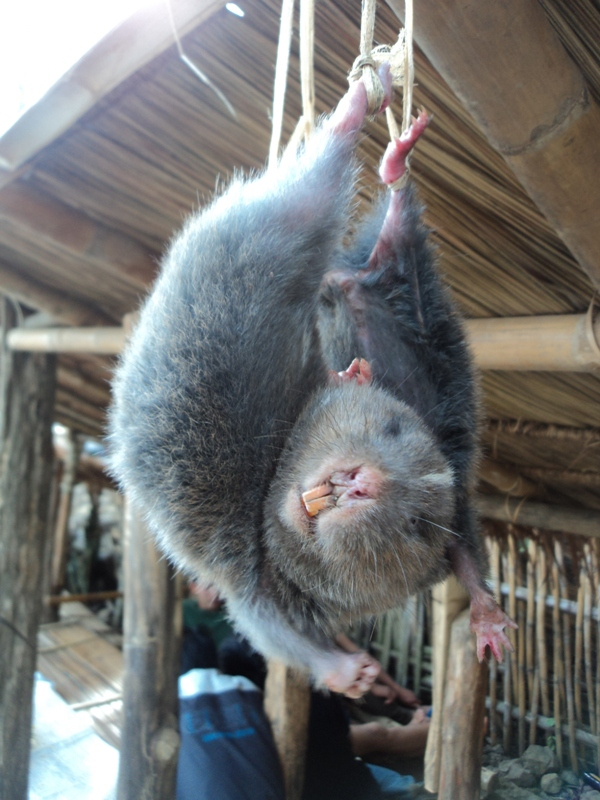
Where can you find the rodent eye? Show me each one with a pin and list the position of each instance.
(413, 522)
(393, 427)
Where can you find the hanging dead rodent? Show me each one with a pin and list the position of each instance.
(297, 419)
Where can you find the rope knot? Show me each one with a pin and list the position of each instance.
(365, 67)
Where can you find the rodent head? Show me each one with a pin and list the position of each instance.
(385, 498)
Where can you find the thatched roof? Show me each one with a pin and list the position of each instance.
(84, 219)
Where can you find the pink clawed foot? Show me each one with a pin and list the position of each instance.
(359, 371)
(393, 165)
(488, 625)
(353, 675)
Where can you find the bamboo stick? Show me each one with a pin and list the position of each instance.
(495, 577)
(596, 594)
(567, 660)
(542, 588)
(578, 650)
(521, 659)
(507, 676)
(580, 658)
(512, 601)
(587, 639)
(535, 703)
(557, 666)
(530, 652)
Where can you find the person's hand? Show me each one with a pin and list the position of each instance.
(389, 690)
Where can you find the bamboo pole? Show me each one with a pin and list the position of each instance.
(565, 342)
(105, 340)
(549, 343)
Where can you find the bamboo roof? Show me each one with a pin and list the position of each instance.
(84, 220)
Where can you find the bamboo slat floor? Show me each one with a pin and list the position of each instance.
(86, 669)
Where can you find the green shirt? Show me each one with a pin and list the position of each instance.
(216, 621)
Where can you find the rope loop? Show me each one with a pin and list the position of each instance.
(366, 67)
(359, 64)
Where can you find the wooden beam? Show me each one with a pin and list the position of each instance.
(121, 53)
(150, 738)
(557, 343)
(75, 382)
(506, 64)
(70, 419)
(63, 308)
(505, 480)
(26, 404)
(578, 521)
(29, 215)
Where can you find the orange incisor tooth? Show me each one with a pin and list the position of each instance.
(317, 499)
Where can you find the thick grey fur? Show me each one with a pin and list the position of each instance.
(223, 402)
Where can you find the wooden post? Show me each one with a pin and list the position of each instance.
(448, 600)
(287, 704)
(61, 536)
(49, 613)
(152, 622)
(463, 715)
(27, 383)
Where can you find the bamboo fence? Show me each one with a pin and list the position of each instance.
(548, 690)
